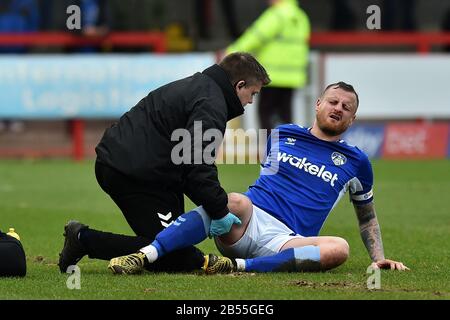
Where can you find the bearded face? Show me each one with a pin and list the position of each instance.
(335, 111)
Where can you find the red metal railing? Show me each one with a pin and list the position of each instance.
(155, 40)
(422, 42)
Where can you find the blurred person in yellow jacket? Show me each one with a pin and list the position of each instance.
(279, 39)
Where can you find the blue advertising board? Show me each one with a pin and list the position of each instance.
(368, 138)
(87, 86)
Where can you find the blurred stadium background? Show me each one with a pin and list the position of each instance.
(60, 89)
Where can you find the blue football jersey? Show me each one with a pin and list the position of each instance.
(303, 178)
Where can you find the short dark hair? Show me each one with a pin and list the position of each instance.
(243, 66)
(344, 86)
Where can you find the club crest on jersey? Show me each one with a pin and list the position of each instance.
(338, 158)
(290, 141)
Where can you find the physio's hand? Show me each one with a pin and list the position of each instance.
(389, 264)
(222, 226)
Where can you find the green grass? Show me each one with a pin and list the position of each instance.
(412, 201)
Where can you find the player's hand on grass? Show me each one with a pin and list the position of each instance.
(221, 226)
(389, 264)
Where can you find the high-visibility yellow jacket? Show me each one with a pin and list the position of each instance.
(279, 39)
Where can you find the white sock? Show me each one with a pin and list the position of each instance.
(150, 252)
(240, 264)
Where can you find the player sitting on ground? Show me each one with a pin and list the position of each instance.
(306, 172)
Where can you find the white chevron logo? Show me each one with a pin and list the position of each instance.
(165, 224)
(166, 217)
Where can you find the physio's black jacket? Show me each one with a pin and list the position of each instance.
(140, 145)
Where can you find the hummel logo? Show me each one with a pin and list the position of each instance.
(165, 218)
(291, 141)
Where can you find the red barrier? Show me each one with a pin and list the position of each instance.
(415, 141)
(421, 41)
(78, 139)
(155, 40)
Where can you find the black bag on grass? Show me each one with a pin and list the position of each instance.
(12, 257)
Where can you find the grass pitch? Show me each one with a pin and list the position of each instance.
(412, 201)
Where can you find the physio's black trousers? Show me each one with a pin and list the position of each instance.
(147, 210)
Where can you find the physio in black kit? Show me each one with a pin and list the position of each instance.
(135, 165)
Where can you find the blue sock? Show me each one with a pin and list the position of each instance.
(294, 259)
(190, 228)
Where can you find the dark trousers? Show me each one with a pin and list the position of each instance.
(275, 107)
(148, 210)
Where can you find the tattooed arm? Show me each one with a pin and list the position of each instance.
(371, 236)
(370, 230)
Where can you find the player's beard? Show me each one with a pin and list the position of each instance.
(330, 129)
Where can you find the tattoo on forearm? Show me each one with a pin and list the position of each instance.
(370, 231)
